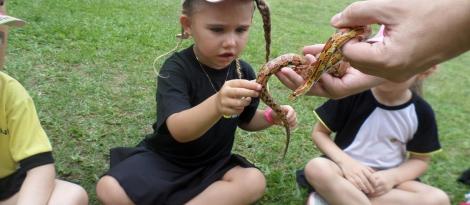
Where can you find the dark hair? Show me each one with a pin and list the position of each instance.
(189, 5)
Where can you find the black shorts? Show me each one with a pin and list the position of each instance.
(11, 184)
(147, 178)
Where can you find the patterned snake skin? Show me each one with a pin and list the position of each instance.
(328, 61)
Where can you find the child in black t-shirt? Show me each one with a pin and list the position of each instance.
(204, 92)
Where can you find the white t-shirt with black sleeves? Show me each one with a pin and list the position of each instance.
(377, 135)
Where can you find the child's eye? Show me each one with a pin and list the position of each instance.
(241, 30)
(217, 30)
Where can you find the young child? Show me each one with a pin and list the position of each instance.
(27, 173)
(367, 162)
(204, 92)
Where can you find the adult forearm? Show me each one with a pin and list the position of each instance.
(192, 123)
(38, 186)
(451, 33)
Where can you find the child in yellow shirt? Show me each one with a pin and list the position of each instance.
(27, 173)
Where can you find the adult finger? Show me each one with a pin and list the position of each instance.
(365, 57)
(290, 78)
(361, 13)
(313, 49)
(310, 58)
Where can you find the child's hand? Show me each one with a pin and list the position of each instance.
(359, 175)
(383, 183)
(291, 116)
(235, 95)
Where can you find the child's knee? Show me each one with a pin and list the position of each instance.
(437, 197)
(70, 193)
(79, 195)
(257, 181)
(318, 170)
(108, 191)
(254, 183)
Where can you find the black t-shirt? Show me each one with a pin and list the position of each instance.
(182, 85)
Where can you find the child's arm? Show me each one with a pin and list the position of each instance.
(414, 167)
(231, 99)
(38, 185)
(356, 173)
(260, 121)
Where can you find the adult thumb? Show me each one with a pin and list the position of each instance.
(360, 13)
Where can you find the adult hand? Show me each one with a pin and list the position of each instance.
(235, 95)
(329, 86)
(418, 34)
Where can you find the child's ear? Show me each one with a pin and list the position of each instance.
(185, 24)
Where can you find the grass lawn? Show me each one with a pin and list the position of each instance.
(88, 66)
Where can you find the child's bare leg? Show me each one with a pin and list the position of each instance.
(10, 201)
(413, 192)
(238, 186)
(63, 193)
(329, 182)
(109, 191)
(68, 193)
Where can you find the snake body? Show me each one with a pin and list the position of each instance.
(328, 60)
(270, 68)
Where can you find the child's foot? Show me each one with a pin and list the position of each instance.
(315, 199)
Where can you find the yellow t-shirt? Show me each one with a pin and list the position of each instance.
(21, 134)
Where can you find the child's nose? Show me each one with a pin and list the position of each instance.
(230, 40)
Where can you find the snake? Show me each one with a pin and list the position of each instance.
(328, 61)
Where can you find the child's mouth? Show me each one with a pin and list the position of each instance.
(226, 55)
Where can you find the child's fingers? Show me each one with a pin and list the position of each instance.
(363, 183)
(356, 182)
(239, 93)
(291, 115)
(247, 84)
(238, 102)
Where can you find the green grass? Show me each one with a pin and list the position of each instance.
(88, 66)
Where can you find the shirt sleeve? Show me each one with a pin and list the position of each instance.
(250, 110)
(172, 91)
(425, 140)
(27, 136)
(334, 113)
